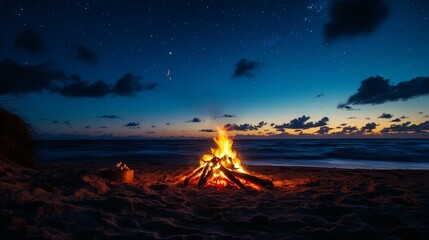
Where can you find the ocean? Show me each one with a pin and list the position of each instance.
(338, 153)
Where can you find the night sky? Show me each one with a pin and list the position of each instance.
(184, 68)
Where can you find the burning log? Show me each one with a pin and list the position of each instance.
(194, 172)
(231, 177)
(253, 179)
(222, 168)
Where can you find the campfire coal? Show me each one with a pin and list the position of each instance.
(222, 167)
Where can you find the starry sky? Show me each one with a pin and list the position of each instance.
(350, 68)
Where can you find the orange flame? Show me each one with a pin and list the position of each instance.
(228, 158)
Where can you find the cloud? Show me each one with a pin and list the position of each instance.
(150, 132)
(207, 130)
(85, 54)
(369, 127)
(404, 117)
(132, 125)
(128, 85)
(153, 126)
(19, 79)
(320, 95)
(396, 120)
(386, 116)
(407, 127)
(352, 118)
(104, 127)
(227, 116)
(80, 88)
(245, 68)
(347, 107)
(29, 41)
(377, 90)
(168, 123)
(301, 123)
(243, 127)
(55, 121)
(113, 116)
(355, 17)
(67, 123)
(349, 130)
(87, 127)
(194, 120)
(323, 130)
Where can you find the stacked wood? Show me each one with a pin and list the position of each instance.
(224, 165)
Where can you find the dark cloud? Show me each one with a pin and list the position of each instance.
(207, 130)
(301, 123)
(85, 54)
(128, 85)
(352, 118)
(349, 130)
(227, 116)
(369, 127)
(377, 90)
(67, 123)
(87, 127)
(19, 79)
(245, 68)
(347, 107)
(55, 121)
(386, 116)
(241, 127)
(355, 17)
(323, 130)
(194, 120)
(343, 124)
(29, 41)
(153, 126)
(113, 116)
(168, 123)
(80, 88)
(404, 117)
(396, 120)
(407, 127)
(420, 112)
(320, 95)
(132, 125)
(104, 127)
(150, 132)
(244, 127)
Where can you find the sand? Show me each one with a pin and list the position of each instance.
(66, 201)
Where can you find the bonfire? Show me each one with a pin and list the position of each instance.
(221, 168)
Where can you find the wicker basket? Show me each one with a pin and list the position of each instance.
(120, 176)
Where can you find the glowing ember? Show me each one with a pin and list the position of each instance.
(222, 168)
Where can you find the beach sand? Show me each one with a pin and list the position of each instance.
(67, 201)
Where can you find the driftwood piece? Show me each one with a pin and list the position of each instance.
(253, 179)
(231, 177)
(196, 171)
(203, 177)
(207, 177)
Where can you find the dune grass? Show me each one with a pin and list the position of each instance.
(16, 143)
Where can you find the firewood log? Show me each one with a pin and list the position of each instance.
(253, 179)
(196, 171)
(231, 177)
(203, 175)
